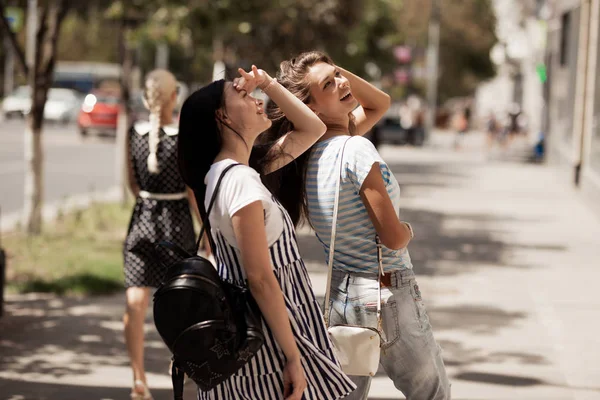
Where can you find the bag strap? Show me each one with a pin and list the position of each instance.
(206, 222)
(178, 380)
(332, 247)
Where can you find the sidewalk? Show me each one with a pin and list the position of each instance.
(506, 258)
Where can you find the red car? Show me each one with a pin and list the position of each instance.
(99, 113)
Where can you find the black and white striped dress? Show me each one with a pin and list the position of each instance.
(262, 377)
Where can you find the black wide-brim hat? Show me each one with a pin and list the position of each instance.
(199, 139)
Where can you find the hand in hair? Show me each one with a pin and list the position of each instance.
(249, 81)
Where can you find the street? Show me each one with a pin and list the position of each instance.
(505, 257)
(72, 166)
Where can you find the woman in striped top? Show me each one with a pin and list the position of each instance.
(255, 239)
(369, 202)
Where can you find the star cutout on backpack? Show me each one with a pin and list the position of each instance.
(244, 355)
(203, 373)
(220, 348)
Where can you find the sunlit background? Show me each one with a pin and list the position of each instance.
(493, 135)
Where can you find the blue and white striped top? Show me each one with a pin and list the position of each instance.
(355, 249)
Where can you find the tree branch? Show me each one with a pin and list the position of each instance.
(13, 40)
(57, 13)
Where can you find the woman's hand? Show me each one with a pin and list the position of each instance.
(249, 81)
(294, 381)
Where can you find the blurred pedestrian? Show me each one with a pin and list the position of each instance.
(161, 212)
(461, 125)
(492, 128)
(254, 240)
(369, 203)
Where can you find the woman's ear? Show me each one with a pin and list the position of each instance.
(222, 115)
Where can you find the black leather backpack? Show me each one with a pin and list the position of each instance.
(213, 328)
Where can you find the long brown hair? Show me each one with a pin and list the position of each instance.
(288, 184)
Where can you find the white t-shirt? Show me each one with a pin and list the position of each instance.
(240, 187)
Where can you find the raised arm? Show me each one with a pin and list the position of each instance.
(308, 128)
(373, 102)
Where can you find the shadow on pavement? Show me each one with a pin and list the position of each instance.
(68, 336)
(474, 240)
(499, 379)
(19, 390)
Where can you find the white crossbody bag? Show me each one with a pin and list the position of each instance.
(357, 347)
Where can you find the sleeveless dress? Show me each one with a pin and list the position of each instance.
(262, 377)
(155, 220)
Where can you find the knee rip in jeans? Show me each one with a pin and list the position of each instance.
(419, 306)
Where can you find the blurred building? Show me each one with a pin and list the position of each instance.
(573, 92)
(521, 31)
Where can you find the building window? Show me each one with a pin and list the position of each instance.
(565, 32)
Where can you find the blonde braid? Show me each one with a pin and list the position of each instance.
(153, 97)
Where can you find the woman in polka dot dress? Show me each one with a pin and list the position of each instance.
(161, 212)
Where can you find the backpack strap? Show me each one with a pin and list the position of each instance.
(206, 222)
(178, 377)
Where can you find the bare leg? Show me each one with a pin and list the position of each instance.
(135, 314)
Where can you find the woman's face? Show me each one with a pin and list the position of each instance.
(330, 92)
(244, 113)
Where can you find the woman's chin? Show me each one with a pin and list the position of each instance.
(352, 104)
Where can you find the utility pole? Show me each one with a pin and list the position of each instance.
(433, 48)
(162, 55)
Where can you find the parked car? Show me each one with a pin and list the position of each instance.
(99, 113)
(391, 129)
(18, 103)
(62, 105)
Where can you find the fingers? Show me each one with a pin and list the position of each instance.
(255, 70)
(297, 393)
(245, 74)
(287, 389)
(240, 84)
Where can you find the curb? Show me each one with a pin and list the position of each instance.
(71, 203)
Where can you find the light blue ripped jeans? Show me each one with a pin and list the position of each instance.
(410, 355)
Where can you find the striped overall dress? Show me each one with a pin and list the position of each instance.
(262, 377)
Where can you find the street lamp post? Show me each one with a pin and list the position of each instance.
(433, 47)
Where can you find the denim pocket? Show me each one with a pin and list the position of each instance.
(366, 315)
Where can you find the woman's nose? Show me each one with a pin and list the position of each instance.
(343, 83)
(259, 102)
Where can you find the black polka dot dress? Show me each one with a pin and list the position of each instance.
(154, 220)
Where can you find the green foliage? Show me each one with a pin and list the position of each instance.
(468, 35)
(264, 32)
(81, 253)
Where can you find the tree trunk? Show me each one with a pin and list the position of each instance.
(40, 79)
(34, 187)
